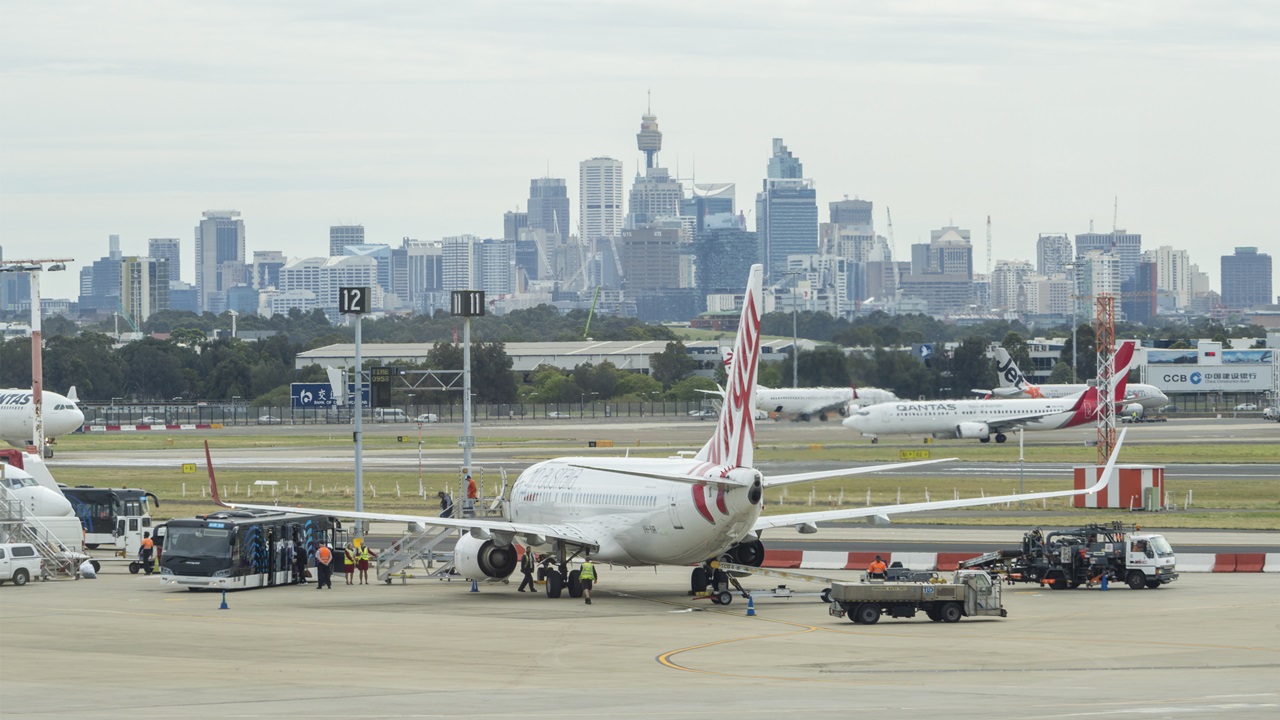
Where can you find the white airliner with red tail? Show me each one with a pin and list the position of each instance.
(805, 403)
(984, 419)
(646, 511)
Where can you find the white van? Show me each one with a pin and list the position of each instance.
(19, 562)
(389, 415)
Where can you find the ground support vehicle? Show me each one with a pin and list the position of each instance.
(19, 563)
(971, 593)
(725, 576)
(242, 549)
(1066, 559)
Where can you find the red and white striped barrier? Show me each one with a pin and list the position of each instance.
(1125, 489)
(143, 428)
(947, 561)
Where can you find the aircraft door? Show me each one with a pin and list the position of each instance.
(673, 507)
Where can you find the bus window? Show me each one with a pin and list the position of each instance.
(197, 542)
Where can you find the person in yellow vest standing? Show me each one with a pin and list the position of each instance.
(362, 562)
(349, 563)
(587, 576)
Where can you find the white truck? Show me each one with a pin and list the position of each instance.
(969, 594)
(19, 562)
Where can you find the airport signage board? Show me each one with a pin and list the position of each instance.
(320, 395)
(1228, 378)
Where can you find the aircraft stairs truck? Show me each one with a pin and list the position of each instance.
(1067, 559)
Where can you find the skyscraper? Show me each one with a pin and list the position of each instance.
(600, 197)
(219, 249)
(1246, 279)
(341, 236)
(786, 212)
(513, 221)
(144, 287)
(266, 268)
(1127, 248)
(549, 208)
(1053, 254)
(168, 249)
(705, 200)
(655, 197)
(1173, 273)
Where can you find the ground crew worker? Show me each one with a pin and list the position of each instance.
(299, 562)
(587, 576)
(362, 562)
(469, 506)
(877, 570)
(324, 570)
(145, 552)
(528, 562)
(349, 563)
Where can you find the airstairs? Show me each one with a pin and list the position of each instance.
(412, 548)
(16, 526)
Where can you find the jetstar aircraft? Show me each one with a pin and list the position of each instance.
(983, 419)
(17, 416)
(1013, 384)
(646, 511)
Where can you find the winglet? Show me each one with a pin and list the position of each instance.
(213, 482)
(1111, 465)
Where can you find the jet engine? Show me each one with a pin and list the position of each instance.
(749, 552)
(972, 430)
(1132, 410)
(477, 559)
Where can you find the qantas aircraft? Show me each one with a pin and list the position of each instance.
(804, 403)
(17, 416)
(1138, 397)
(647, 511)
(983, 419)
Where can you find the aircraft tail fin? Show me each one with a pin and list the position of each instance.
(1120, 363)
(734, 440)
(1011, 378)
(213, 482)
(72, 395)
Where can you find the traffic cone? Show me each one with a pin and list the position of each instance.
(751, 606)
(1104, 582)
(223, 606)
(474, 586)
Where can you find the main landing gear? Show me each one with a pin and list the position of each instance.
(1000, 437)
(559, 577)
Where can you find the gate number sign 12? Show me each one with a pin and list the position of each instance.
(353, 300)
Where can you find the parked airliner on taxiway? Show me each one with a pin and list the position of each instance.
(653, 511)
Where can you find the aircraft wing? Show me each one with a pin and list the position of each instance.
(535, 533)
(604, 466)
(807, 522)
(769, 481)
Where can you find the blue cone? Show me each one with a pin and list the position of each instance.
(751, 606)
(474, 586)
(223, 606)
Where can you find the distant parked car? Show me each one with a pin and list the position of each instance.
(151, 420)
(559, 415)
(1246, 406)
(1168, 409)
(703, 413)
(269, 420)
(427, 418)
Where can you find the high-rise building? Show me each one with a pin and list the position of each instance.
(379, 252)
(1053, 253)
(472, 263)
(1006, 281)
(266, 269)
(513, 221)
(600, 197)
(1097, 273)
(168, 249)
(1246, 279)
(113, 247)
(341, 236)
(1125, 246)
(219, 250)
(722, 254)
(655, 198)
(144, 287)
(651, 259)
(786, 212)
(549, 207)
(1139, 299)
(1173, 273)
(702, 201)
(855, 213)
(308, 283)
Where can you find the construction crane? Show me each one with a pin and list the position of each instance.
(988, 247)
(893, 250)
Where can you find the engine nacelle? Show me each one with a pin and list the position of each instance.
(749, 552)
(476, 559)
(1133, 410)
(972, 430)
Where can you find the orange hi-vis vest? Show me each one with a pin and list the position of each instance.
(324, 555)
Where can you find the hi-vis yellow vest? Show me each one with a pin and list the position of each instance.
(588, 572)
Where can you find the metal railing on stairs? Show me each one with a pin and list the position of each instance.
(413, 548)
(16, 526)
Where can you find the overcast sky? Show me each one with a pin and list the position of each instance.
(417, 119)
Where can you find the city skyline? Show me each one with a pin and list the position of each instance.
(445, 122)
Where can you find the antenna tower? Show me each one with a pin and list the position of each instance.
(988, 247)
(1105, 341)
